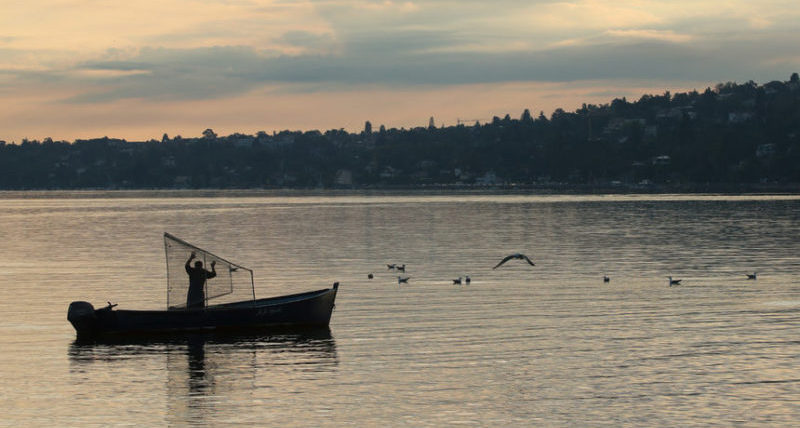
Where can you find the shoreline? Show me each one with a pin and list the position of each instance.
(444, 190)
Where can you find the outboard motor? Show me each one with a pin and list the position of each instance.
(81, 315)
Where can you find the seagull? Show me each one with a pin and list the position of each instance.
(401, 280)
(401, 268)
(391, 266)
(751, 276)
(457, 281)
(606, 278)
(515, 256)
(370, 276)
(674, 281)
(467, 279)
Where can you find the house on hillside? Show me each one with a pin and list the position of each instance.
(662, 160)
(488, 179)
(344, 177)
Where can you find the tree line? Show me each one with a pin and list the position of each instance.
(731, 134)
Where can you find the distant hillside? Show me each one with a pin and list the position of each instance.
(732, 134)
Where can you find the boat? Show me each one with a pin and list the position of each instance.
(228, 313)
(310, 309)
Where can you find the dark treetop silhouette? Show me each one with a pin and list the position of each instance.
(729, 135)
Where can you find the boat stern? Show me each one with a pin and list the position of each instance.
(82, 316)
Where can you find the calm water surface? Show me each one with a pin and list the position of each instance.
(520, 346)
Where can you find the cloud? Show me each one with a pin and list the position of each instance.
(648, 34)
(170, 74)
(200, 73)
(306, 39)
(331, 45)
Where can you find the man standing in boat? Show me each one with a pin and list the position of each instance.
(197, 281)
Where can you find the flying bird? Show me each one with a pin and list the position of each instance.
(402, 280)
(401, 268)
(515, 256)
(457, 281)
(751, 275)
(674, 281)
(391, 266)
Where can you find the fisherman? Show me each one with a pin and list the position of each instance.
(197, 281)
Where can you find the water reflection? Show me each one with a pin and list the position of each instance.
(199, 381)
(203, 371)
(148, 343)
(304, 347)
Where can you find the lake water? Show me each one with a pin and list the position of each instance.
(520, 346)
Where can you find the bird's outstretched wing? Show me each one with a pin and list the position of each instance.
(527, 259)
(505, 259)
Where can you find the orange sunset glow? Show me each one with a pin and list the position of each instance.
(81, 69)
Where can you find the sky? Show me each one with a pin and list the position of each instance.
(90, 68)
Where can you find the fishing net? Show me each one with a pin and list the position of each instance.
(232, 283)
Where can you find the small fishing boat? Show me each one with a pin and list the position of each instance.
(230, 282)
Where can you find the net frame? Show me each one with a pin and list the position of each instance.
(204, 256)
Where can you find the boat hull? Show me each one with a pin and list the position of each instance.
(310, 309)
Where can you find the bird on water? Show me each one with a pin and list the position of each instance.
(519, 256)
(467, 280)
(673, 281)
(606, 278)
(457, 281)
(751, 275)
